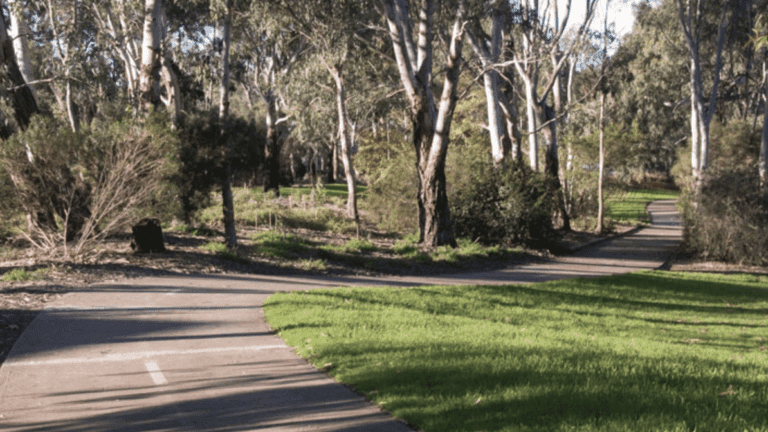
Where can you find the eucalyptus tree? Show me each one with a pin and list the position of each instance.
(271, 46)
(691, 16)
(228, 205)
(492, 50)
(431, 120)
(760, 41)
(338, 33)
(22, 100)
(539, 60)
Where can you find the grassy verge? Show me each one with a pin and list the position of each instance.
(639, 352)
(629, 206)
(364, 254)
(330, 190)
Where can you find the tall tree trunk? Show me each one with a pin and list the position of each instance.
(344, 136)
(228, 206)
(702, 111)
(149, 71)
(272, 149)
(763, 164)
(500, 144)
(533, 143)
(22, 98)
(19, 31)
(431, 126)
(546, 114)
(601, 174)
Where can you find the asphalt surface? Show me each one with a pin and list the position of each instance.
(194, 353)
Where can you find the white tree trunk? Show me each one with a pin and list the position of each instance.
(344, 137)
(18, 33)
(228, 206)
(533, 143)
(601, 174)
(763, 164)
(150, 53)
(431, 125)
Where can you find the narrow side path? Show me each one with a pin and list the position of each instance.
(194, 353)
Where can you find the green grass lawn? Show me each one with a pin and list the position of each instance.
(629, 206)
(649, 351)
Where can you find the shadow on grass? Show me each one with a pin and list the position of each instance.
(521, 394)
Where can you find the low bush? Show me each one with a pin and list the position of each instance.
(727, 218)
(82, 187)
(728, 221)
(513, 205)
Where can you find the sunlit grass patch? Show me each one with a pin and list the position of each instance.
(629, 206)
(645, 351)
(277, 244)
(23, 275)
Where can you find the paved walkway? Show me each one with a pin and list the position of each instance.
(194, 353)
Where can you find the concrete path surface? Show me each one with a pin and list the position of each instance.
(194, 353)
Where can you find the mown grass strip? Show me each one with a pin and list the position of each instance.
(629, 206)
(639, 352)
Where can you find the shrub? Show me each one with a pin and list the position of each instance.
(86, 186)
(390, 173)
(511, 205)
(727, 219)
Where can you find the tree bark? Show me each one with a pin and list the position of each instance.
(228, 206)
(601, 173)
(500, 141)
(149, 71)
(272, 149)
(701, 112)
(344, 140)
(763, 163)
(431, 126)
(19, 31)
(22, 98)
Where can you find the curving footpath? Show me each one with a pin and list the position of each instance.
(194, 353)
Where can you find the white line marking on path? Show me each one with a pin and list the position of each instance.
(140, 355)
(155, 373)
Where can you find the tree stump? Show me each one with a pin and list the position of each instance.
(147, 236)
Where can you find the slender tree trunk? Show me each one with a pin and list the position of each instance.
(601, 174)
(272, 149)
(763, 164)
(344, 138)
(533, 144)
(701, 115)
(500, 144)
(228, 205)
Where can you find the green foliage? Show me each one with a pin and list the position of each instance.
(275, 244)
(390, 172)
(727, 217)
(87, 185)
(23, 275)
(201, 158)
(728, 220)
(510, 206)
(214, 247)
(647, 351)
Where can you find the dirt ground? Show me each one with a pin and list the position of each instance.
(20, 301)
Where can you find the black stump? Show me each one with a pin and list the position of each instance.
(147, 236)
